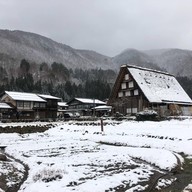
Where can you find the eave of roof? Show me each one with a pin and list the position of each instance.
(102, 107)
(62, 104)
(147, 69)
(177, 102)
(90, 101)
(87, 101)
(5, 106)
(20, 96)
(48, 97)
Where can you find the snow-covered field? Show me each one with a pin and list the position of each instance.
(71, 157)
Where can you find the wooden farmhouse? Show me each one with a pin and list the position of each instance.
(137, 89)
(84, 106)
(30, 105)
(51, 106)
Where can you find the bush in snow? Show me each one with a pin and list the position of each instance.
(47, 175)
(146, 115)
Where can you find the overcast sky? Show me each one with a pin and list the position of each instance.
(105, 26)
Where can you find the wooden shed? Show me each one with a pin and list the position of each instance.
(84, 106)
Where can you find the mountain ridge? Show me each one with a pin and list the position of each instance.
(17, 45)
(39, 49)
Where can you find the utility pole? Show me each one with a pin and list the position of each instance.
(93, 107)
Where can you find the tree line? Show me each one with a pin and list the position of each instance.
(57, 80)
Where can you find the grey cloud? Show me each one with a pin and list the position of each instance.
(106, 26)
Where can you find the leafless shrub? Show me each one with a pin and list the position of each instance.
(48, 175)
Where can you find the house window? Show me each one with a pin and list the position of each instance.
(131, 84)
(134, 110)
(120, 94)
(127, 77)
(36, 105)
(136, 92)
(42, 105)
(128, 110)
(27, 105)
(131, 110)
(123, 86)
(20, 104)
(128, 93)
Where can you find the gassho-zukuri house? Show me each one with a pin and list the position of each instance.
(137, 89)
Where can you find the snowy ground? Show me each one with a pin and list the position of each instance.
(71, 157)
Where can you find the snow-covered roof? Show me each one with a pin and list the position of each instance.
(103, 107)
(95, 101)
(20, 96)
(49, 97)
(158, 86)
(62, 104)
(5, 106)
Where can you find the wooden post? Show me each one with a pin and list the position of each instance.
(94, 108)
(101, 124)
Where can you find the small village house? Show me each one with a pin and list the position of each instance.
(137, 89)
(51, 106)
(102, 110)
(30, 105)
(62, 108)
(84, 106)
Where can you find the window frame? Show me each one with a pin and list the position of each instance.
(126, 76)
(120, 94)
(131, 84)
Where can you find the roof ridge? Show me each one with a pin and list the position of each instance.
(146, 69)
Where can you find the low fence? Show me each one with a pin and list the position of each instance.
(49, 119)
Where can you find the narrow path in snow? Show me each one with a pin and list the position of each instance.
(16, 187)
(158, 173)
(184, 177)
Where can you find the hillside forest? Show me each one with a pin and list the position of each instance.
(57, 80)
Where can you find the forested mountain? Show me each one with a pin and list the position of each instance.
(134, 57)
(175, 61)
(17, 45)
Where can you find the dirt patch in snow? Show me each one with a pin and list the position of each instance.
(183, 177)
(12, 178)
